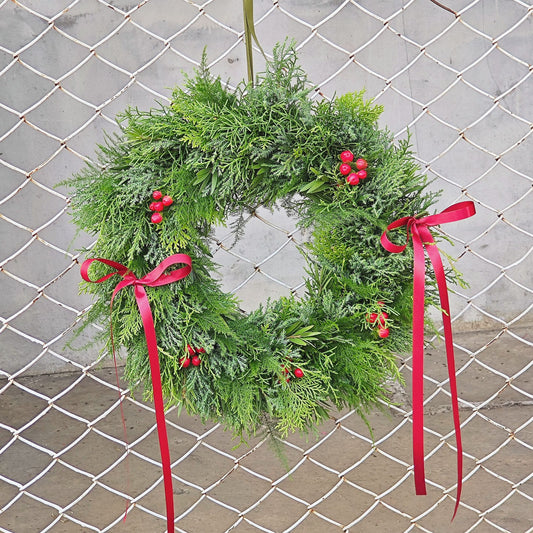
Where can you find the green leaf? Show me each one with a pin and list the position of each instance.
(296, 340)
(214, 181)
(201, 175)
(315, 186)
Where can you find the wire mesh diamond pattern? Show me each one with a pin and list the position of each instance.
(455, 77)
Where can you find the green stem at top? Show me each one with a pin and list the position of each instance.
(249, 34)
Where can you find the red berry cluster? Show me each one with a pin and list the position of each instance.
(298, 373)
(345, 168)
(193, 356)
(379, 320)
(158, 206)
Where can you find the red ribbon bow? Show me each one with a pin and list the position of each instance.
(422, 239)
(156, 278)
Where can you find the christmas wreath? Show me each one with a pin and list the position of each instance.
(175, 172)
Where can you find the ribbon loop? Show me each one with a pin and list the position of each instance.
(159, 277)
(155, 278)
(418, 230)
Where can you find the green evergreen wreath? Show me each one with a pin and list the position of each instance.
(215, 153)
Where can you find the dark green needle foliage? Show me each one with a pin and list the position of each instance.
(219, 153)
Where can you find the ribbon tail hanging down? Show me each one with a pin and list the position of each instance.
(438, 267)
(157, 389)
(419, 281)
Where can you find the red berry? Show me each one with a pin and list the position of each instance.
(167, 200)
(361, 164)
(381, 304)
(352, 179)
(298, 373)
(346, 156)
(382, 318)
(190, 349)
(285, 369)
(157, 195)
(383, 332)
(157, 218)
(185, 362)
(372, 317)
(345, 169)
(196, 360)
(158, 206)
(361, 174)
(200, 350)
(152, 206)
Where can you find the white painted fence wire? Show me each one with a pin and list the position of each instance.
(458, 77)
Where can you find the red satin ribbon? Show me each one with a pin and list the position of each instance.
(422, 239)
(156, 278)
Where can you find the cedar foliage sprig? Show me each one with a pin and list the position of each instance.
(218, 153)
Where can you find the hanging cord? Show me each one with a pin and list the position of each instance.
(249, 34)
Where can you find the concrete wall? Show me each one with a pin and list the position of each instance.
(461, 85)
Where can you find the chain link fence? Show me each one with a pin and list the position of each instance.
(457, 78)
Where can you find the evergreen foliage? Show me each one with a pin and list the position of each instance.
(217, 153)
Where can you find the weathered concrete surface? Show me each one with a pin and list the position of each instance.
(213, 506)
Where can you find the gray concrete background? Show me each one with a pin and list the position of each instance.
(470, 131)
(62, 82)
